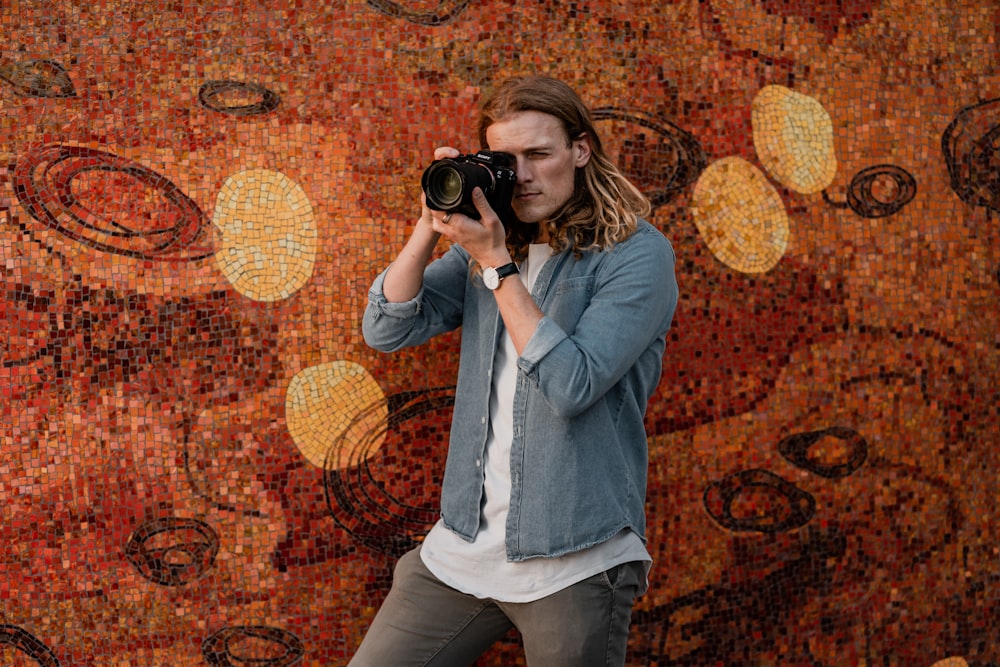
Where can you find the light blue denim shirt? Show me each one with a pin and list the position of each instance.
(579, 455)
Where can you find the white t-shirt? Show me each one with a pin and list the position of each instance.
(481, 568)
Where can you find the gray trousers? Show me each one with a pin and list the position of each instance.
(423, 622)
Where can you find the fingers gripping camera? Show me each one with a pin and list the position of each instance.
(448, 183)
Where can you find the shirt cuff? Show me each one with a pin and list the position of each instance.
(546, 336)
(400, 310)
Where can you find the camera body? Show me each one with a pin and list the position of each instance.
(448, 183)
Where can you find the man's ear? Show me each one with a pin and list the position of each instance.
(581, 145)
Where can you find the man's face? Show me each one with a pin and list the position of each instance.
(546, 161)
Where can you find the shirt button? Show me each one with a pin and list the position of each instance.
(483, 421)
(479, 463)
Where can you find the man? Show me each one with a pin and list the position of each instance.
(564, 315)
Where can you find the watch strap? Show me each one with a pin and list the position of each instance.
(506, 270)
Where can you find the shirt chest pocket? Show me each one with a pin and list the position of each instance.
(569, 299)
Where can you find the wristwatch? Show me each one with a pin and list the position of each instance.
(493, 276)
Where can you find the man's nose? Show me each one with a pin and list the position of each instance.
(523, 172)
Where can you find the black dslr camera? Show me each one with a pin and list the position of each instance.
(448, 183)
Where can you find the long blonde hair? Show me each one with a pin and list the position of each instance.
(605, 206)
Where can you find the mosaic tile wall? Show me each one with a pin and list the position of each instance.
(202, 463)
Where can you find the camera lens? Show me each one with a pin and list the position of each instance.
(445, 186)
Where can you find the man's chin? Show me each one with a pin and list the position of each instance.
(526, 217)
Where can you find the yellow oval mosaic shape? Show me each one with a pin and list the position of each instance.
(740, 216)
(336, 413)
(793, 137)
(269, 234)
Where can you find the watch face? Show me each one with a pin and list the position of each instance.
(490, 277)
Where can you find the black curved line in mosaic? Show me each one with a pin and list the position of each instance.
(445, 11)
(360, 502)
(38, 78)
(971, 148)
(834, 204)
(213, 93)
(796, 510)
(702, 627)
(283, 648)
(27, 644)
(44, 182)
(865, 203)
(798, 449)
(201, 487)
(202, 491)
(688, 157)
(172, 551)
(891, 376)
(712, 26)
(920, 377)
